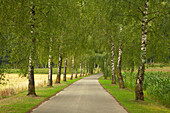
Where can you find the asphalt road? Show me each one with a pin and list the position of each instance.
(83, 96)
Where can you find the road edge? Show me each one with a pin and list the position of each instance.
(112, 95)
(36, 106)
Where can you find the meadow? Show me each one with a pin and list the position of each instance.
(16, 83)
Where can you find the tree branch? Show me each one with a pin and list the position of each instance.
(140, 10)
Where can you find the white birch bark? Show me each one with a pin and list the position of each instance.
(65, 70)
(80, 70)
(140, 77)
(119, 74)
(112, 63)
(50, 65)
(72, 68)
(31, 82)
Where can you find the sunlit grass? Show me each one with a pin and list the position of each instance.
(16, 84)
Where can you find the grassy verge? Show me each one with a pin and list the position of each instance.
(126, 98)
(20, 103)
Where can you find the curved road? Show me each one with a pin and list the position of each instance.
(83, 96)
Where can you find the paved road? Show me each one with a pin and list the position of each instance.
(83, 96)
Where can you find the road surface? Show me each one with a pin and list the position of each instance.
(83, 96)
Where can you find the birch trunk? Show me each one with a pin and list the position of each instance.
(98, 68)
(105, 77)
(76, 73)
(31, 83)
(65, 70)
(140, 77)
(88, 70)
(50, 71)
(80, 69)
(85, 69)
(59, 69)
(112, 63)
(72, 69)
(119, 74)
(94, 68)
(50, 65)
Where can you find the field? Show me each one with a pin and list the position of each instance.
(16, 83)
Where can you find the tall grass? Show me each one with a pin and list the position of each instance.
(18, 84)
(156, 85)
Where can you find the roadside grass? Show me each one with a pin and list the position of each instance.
(20, 103)
(127, 98)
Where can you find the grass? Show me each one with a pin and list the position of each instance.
(127, 98)
(20, 103)
(16, 83)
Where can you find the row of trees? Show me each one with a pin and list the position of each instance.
(111, 33)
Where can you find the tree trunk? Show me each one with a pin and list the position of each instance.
(59, 69)
(85, 70)
(98, 68)
(119, 74)
(105, 76)
(76, 73)
(112, 63)
(31, 83)
(50, 65)
(88, 70)
(94, 68)
(72, 69)
(80, 69)
(140, 77)
(65, 70)
(50, 71)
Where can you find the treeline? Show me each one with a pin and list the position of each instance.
(110, 33)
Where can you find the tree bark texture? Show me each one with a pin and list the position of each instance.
(112, 63)
(119, 74)
(65, 70)
(76, 73)
(72, 69)
(140, 77)
(59, 69)
(50, 71)
(80, 69)
(50, 65)
(31, 83)
(105, 76)
(94, 68)
(98, 68)
(88, 70)
(85, 69)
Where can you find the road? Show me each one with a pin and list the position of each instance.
(83, 96)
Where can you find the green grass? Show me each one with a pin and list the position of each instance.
(127, 98)
(20, 103)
